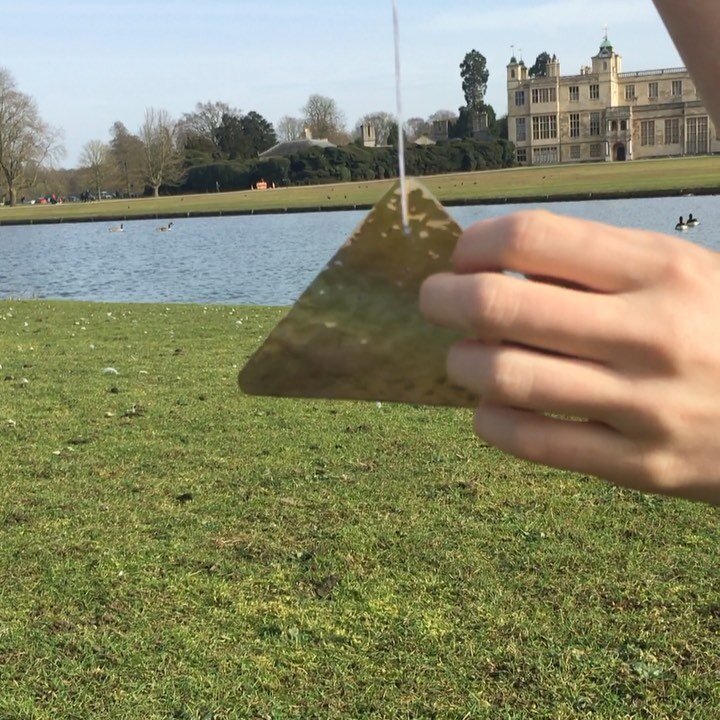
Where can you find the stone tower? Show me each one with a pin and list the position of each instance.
(369, 137)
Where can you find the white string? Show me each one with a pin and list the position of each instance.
(400, 121)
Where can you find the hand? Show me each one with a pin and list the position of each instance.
(608, 365)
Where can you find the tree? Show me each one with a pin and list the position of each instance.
(442, 115)
(246, 136)
(383, 123)
(95, 158)
(416, 126)
(393, 137)
(323, 117)
(501, 127)
(127, 154)
(162, 163)
(464, 126)
(26, 142)
(539, 69)
(259, 133)
(202, 125)
(290, 128)
(475, 76)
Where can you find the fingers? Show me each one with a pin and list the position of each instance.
(600, 257)
(583, 447)
(498, 308)
(523, 379)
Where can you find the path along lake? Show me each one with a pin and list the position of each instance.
(250, 260)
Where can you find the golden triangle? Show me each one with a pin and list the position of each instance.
(356, 333)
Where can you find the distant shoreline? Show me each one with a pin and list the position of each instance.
(458, 202)
(675, 177)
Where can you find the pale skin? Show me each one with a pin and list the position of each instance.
(606, 362)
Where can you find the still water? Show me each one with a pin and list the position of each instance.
(256, 260)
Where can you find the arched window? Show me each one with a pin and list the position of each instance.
(623, 124)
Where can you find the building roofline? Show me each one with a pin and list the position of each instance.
(648, 73)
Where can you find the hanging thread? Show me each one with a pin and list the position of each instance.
(400, 122)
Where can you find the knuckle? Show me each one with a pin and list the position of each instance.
(657, 472)
(679, 266)
(492, 306)
(507, 381)
(659, 348)
(524, 230)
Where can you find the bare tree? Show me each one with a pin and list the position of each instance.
(95, 158)
(383, 123)
(323, 118)
(416, 126)
(290, 128)
(162, 160)
(205, 121)
(26, 142)
(442, 115)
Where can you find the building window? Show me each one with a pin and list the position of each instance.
(544, 95)
(575, 125)
(677, 88)
(520, 129)
(596, 151)
(653, 91)
(521, 155)
(672, 131)
(574, 91)
(594, 92)
(545, 156)
(574, 152)
(512, 72)
(613, 126)
(595, 123)
(698, 141)
(623, 125)
(519, 98)
(647, 133)
(544, 127)
(629, 92)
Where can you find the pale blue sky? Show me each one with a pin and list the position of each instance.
(89, 63)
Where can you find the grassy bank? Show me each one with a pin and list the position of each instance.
(557, 182)
(172, 549)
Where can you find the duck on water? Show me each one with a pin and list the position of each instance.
(166, 228)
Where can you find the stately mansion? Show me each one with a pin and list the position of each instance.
(604, 114)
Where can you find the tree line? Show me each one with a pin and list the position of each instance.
(216, 146)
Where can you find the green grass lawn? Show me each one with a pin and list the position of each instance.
(654, 176)
(172, 549)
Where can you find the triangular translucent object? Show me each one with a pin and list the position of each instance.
(357, 333)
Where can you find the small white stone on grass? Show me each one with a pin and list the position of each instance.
(110, 371)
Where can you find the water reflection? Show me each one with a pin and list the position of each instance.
(263, 260)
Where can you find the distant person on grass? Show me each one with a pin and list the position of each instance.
(620, 329)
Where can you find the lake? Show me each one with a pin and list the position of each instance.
(255, 260)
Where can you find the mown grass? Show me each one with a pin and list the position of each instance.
(553, 182)
(172, 549)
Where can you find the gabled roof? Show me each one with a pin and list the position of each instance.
(292, 147)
